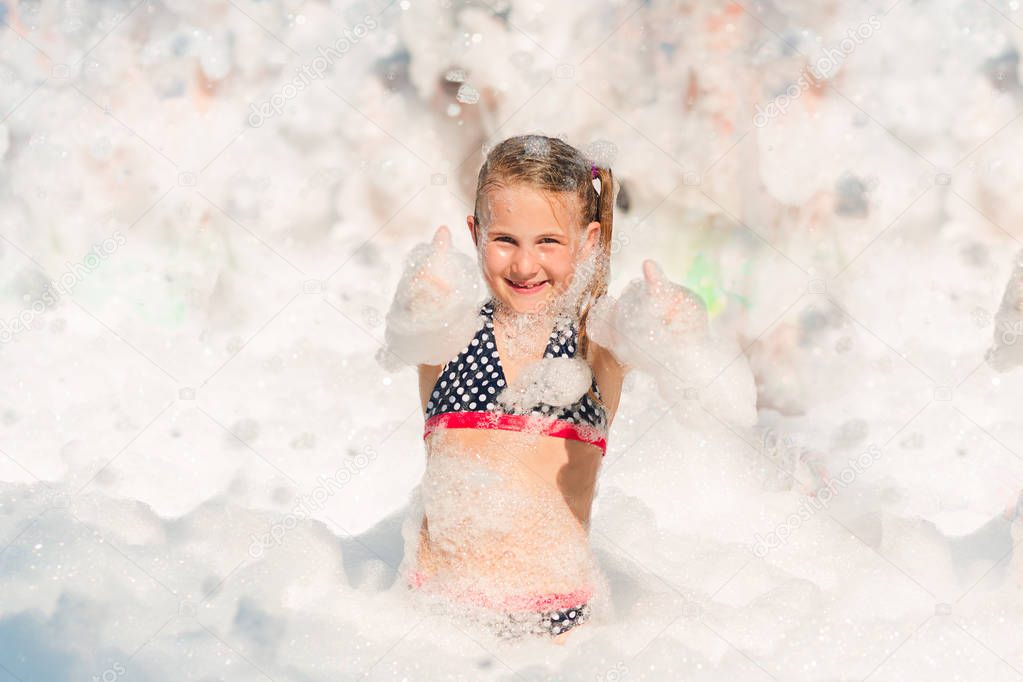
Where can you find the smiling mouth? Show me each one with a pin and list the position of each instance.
(526, 287)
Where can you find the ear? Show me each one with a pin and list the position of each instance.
(591, 234)
(471, 222)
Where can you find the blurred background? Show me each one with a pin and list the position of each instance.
(204, 211)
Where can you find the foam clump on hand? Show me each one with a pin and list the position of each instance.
(435, 311)
(649, 325)
(551, 381)
(662, 328)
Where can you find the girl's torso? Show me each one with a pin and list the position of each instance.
(553, 477)
(559, 396)
(568, 465)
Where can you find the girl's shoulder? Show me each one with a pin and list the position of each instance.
(599, 320)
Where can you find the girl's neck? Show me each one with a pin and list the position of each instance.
(522, 334)
(507, 315)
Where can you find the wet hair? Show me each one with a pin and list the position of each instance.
(552, 165)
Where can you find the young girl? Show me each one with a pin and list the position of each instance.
(519, 384)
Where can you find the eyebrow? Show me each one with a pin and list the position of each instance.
(502, 233)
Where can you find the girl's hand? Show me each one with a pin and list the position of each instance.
(441, 244)
(662, 329)
(435, 310)
(681, 309)
(431, 280)
(650, 323)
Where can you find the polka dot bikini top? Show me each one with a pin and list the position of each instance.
(465, 394)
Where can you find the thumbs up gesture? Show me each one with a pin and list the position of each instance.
(662, 329)
(680, 309)
(430, 276)
(652, 321)
(435, 308)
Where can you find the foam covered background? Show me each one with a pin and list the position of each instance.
(204, 208)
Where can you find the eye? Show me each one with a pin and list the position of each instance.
(504, 238)
(549, 240)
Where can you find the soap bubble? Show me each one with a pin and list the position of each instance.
(435, 310)
(551, 381)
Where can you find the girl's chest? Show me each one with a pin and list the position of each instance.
(605, 374)
(514, 355)
(501, 357)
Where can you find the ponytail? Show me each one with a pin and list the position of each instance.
(605, 216)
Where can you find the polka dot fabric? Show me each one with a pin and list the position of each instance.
(472, 381)
(562, 621)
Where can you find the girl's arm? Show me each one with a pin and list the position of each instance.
(662, 328)
(435, 310)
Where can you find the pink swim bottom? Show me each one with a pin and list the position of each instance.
(542, 603)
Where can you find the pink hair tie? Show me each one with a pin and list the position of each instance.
(593, 171)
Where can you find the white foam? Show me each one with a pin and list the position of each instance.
(696, 368)
(435, 310)
(493, 532)
(911, 570)
(550, 381)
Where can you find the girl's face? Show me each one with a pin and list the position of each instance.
(531, 245)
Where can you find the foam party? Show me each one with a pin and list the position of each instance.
(761, 428)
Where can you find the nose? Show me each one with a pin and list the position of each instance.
(524, 264)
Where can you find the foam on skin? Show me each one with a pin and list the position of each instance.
(435, 311)
(498, 537)
(551, 381)
(667, 335)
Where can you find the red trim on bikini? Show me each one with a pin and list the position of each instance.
(558, 428)
(537, 602)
